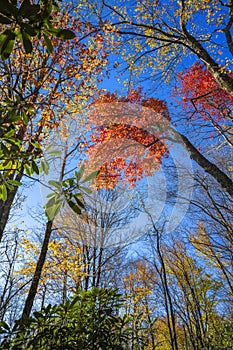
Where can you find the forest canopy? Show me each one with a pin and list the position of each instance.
(120, 114)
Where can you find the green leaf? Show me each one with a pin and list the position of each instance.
(2, 39)
(7, 44)
(74, 207)
(7, 164)
(79, 174)
(79, 203)
(44, 166)
(29, 29)
(25, 118)
(35, 167)
(56, 184)
(4, 325)
(50, 195)
(28, 10)
(90, 176)
(51, 151)
(4, 149)
(26, 42)
(54, 153)
(70, 181)
(9, 186)
(37, 314)
(9, 134)
(3, 192)
(14, 182)
(52, 207)
(65, 34)
(15, 142)
(48, 43)
(13, 118)
(85, 189)
(28, 169)
(47, 10)
(35, 144)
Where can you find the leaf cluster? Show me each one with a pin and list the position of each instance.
(90, 320)
(14, 158)
(132, 137)
(25, 20)
(68, 191)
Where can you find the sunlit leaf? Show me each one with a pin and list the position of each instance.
(44, 166)
(3, 192)
(90, 176)
(56, 184)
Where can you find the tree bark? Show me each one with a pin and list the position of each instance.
(5, 206)
(204, 163)
(37, 275)
(222, 78)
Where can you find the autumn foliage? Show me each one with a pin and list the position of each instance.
(128, 141)
(201, 92)
(55, 81)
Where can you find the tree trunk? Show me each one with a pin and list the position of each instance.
(39, 266)
(5, 206)
(204, 163)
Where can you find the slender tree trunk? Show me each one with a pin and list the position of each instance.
(168, 302)
(99, 269)
(151, 331)
(5, 206)
(41, 260)
(171, 320)
(37, 275)
(87, 265)
(64, 288)
(7, 290)
(94, 267)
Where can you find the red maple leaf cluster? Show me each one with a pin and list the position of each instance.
(201, 92)
(129, 141)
